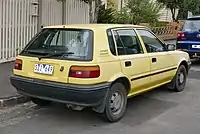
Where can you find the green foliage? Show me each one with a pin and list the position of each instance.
(192, 6)
(187, 5)
(106, 15)
(123, 16)
(183, 7)
(144, 11)
(171, 3)
(111, 15)
(135, 12)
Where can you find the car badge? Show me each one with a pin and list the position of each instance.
(198, 35)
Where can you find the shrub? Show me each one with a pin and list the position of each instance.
(106, 15)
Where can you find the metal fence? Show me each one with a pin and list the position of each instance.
(17, 26)
(80, 15)
(168, 30)
(51, 12)
(20, 19)
(165, 33)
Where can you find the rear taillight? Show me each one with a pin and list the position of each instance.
(18, 64)
(84, 72)
(181, 35)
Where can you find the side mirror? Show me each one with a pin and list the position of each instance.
(171, 47)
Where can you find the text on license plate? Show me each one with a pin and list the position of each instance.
(195, 46)
(43, 69)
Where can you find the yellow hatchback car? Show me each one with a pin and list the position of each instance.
(98, 66)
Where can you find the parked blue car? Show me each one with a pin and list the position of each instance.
(188, 38)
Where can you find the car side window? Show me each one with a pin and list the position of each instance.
(127, 42)
(151, 42)
(111, 42)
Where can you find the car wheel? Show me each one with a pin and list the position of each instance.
(116, 103)
(40, 102)
(180, 79)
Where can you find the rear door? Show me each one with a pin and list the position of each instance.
(135, 63)
(51, 54)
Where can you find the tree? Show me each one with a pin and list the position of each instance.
(107, 15)
(134, 12)
(192, 6)
(123, 16)
(98, 3)
(173, 5)
(182, 7)
(144, 11)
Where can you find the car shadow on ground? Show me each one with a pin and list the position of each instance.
(140, 109)
(194, 73)
(195, 62)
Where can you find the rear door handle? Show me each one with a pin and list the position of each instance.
(154, 60)
(128, 63)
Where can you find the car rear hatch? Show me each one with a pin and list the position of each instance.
(190, 34)
(51, 54)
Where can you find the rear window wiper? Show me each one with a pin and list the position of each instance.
(55, 54)
(34, 52)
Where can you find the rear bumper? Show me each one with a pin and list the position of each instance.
(84, 95)
(192, 53)
(186, 47)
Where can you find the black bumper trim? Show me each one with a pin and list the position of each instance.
(191, 51)
(84, 95)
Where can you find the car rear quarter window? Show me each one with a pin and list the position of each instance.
(111, 42)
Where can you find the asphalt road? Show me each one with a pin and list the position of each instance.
(156, 112)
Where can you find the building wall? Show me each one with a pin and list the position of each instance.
(166, 15)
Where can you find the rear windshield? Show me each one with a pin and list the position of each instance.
(74, 44)
(192, 25)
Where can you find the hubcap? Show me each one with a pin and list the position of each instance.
(181, 78)
(116, 103)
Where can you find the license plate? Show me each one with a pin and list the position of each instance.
(195, 46)
(43, 69)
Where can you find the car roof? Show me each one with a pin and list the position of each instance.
(194, 17)
(95, 26)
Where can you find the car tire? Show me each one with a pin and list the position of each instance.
(40, 102)
(116, 103)
(180, 79)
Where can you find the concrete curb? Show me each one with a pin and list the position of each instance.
(11, 101)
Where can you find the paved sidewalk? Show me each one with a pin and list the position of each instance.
(6, 90)
(8, 94)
